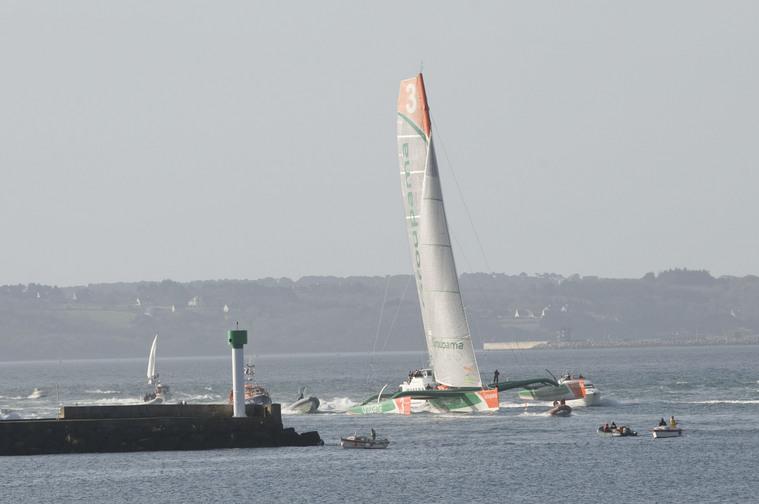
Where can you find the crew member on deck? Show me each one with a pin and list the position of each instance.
(496, 374)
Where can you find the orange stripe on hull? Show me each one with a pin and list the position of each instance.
(403, 405)
(490, 396)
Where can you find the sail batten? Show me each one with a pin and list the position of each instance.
(446, 329)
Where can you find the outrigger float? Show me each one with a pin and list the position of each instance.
(579, 390)
(452, 383)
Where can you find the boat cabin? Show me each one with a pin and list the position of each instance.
(420, 379)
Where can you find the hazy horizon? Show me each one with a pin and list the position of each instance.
(190, 141)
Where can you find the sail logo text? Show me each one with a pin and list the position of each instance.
(414, 232)
(449, 345)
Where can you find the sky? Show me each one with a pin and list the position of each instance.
(209, 140)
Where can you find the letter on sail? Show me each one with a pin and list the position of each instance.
(446, 330)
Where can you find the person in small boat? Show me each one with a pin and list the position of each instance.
(662, 423)
(613, 426)
(606, 427)
(496, 374)
(672, 422)
(563, 402)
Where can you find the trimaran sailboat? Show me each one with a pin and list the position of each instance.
(452, 383)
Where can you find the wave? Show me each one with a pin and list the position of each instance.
(726, 401)
(199, 397)
(514, 405)
(337, 404)
(533, 414)
(98, 391)
(111, 400)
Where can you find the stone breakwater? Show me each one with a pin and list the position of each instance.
(150, 427)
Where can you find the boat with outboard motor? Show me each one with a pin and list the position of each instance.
(37, 394)
(667, 429)
(452, 382)
(560, 409)
(160, 393)
(304, 404)
(7, 414)
(666, 432)
(616, 431)
(577, 389)
(372, 441)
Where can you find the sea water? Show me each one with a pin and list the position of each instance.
(518, 454)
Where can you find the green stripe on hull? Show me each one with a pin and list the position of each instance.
(546, 393)
(386, 406)
(466, 403)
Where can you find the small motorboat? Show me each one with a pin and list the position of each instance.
(6, 414)
(560, 410)
(304, 404)
(666, 431)
(371, 441)
(621, 431)
(37, 394)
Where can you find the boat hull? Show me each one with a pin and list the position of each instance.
(365, 443)
(560, 411)
(617, 433)
(667, 432)
(398, 406)
(572, 390)
(305, 405)
(485, 400)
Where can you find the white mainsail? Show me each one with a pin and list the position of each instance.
(448, 340)
(151, 361)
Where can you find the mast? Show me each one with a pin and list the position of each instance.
(445, 326)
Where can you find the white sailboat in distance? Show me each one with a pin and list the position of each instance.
(161, 392)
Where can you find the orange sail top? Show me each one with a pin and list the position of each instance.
(412, 103)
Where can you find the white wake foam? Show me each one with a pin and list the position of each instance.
(727, 401)
(338, 404)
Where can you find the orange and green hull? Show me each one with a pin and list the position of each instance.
(439, 401)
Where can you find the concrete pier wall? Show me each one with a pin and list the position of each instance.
(148, 428)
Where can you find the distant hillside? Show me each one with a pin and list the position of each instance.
(328, 314)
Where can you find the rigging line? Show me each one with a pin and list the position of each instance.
(379, 326)
(381, 314)
(471, 223)
(461, 195)
(397, 312)
(460, 250)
